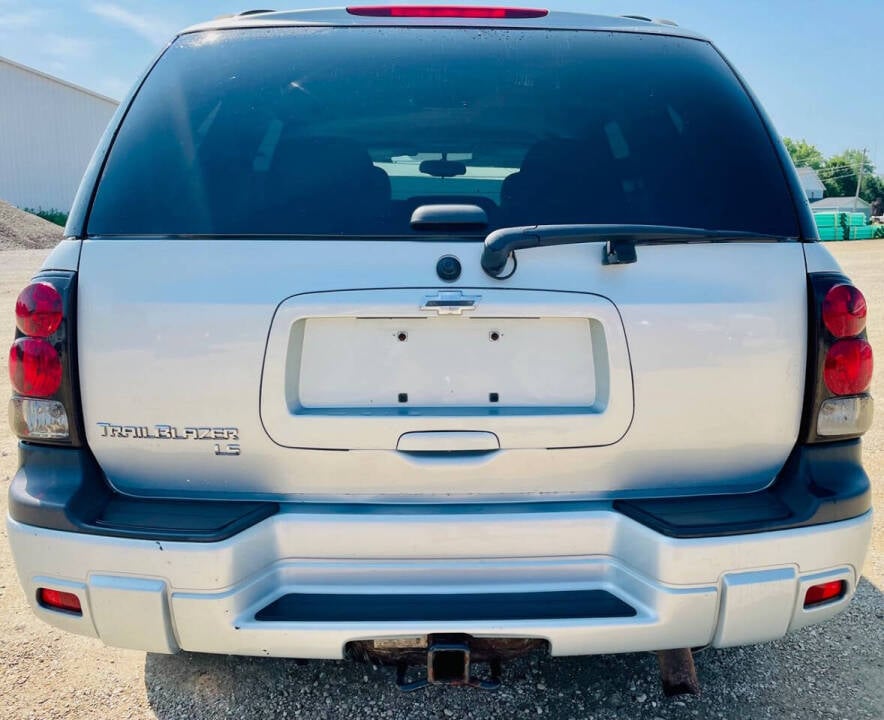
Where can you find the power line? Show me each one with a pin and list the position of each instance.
(832, 168)
(840, 176)
(837, 173)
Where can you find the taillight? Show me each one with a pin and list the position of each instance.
(38, 310)
(41, 362)
(840, 361)
(844, 311)
(34, 367)
(441, 11)
(848, 367)
(36, 419)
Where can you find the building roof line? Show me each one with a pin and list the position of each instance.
(58, 80)
(840, 201)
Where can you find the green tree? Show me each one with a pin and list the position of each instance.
(840, 173)
(873, 189)
(804, 154)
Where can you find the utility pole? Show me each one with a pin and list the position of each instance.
(859, 179)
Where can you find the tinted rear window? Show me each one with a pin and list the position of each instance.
(345, 131)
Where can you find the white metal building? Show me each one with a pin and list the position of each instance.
(810, 181)
(48, 131)
(842, 204)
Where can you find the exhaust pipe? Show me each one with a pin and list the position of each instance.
(677, 672)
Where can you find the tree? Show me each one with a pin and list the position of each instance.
(872, 191)
(804, 154)
(840, 173)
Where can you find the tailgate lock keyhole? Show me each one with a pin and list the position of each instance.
(494, 335)
(402, 336)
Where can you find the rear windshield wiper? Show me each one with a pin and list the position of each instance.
(620, 240)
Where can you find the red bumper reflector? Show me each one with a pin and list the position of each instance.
(58, 600)
(435, 11)
(824, 592)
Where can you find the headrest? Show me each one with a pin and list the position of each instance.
(321, 161)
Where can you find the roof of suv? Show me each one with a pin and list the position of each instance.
(340, 17)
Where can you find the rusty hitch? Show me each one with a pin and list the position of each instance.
(677, 672)
(448, 663)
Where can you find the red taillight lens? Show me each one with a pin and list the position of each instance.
(38, 310)
(844, 311)
(431, 11)
(34, 367)
(824, 592)
(58, 600)
(848, 368)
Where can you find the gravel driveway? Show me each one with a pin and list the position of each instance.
(831, 671)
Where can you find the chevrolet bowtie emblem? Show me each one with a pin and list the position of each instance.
(450, 302)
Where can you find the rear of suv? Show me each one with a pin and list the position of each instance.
(436, 334)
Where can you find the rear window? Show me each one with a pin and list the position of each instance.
(345, 131)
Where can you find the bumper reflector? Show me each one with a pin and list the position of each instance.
(845, 416)
(58, 600)
(33, 419)
(818, 594)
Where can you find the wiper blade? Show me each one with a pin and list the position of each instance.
(620, 240)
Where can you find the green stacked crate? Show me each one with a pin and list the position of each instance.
(831, 226)
(824, 220)
(866, 232)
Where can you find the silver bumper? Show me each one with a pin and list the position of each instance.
(166, 596)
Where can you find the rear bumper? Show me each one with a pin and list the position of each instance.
(292, 579)
(209, 597)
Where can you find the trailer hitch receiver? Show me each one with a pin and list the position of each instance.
(448, 663)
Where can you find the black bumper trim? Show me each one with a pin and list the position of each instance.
(556, 605)
(65, 489)
(818, 484)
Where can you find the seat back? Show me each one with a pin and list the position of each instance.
(563, 181)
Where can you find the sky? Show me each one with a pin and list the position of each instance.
(814, 64)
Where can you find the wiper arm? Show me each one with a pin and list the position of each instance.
(619, 246)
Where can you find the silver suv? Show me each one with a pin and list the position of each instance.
(439, 335)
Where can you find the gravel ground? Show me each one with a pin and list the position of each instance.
(834, 670)
(20, 229)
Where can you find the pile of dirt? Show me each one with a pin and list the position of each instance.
(20, 229)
